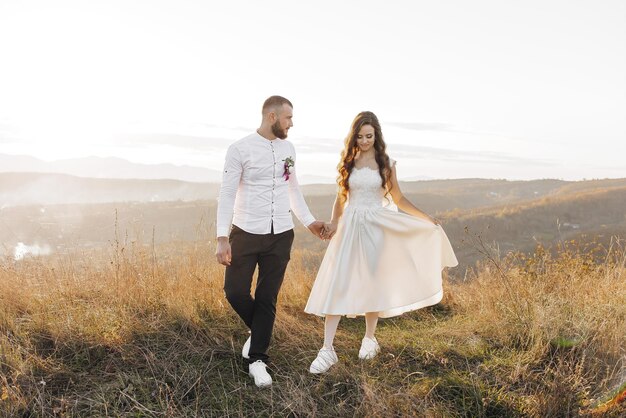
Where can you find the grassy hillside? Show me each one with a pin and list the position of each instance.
(145, 331)
(588, 215)
(20, 189)
(445, 195)
(584, 211)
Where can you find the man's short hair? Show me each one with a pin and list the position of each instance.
(274, 102)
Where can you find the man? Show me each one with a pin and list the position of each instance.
(259, 190)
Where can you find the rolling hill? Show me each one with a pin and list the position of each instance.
(506, 215)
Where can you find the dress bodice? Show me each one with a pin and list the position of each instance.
(365, 188)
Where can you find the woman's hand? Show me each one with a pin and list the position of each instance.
(329, 230)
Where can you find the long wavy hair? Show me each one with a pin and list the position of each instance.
(351, 149)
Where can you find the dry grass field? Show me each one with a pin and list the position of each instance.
(126, 315)
(143, 329)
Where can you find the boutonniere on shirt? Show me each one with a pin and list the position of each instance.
(288, 164)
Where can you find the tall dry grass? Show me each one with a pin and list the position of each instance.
(140, 330)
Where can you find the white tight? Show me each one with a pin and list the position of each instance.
(332, 322)
(330, 328)
(371, 320)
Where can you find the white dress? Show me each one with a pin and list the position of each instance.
(379, 260)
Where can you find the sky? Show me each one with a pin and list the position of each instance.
(491, 89)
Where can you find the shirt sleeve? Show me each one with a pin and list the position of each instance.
(296, 199)
(228, 191)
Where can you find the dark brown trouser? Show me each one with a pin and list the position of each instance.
(271, 252)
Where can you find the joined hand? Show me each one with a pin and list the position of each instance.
(317, 228)
(329, 230)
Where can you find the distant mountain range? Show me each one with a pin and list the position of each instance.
(18, 189)
(108, 167)
(119, 168)
(22, 188)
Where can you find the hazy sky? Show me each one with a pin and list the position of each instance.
(499, 89)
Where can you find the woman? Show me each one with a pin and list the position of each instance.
(381, 263)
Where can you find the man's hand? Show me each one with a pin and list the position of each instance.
(222, 252)
(316, 228)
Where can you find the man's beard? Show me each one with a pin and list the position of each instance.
(278, 132)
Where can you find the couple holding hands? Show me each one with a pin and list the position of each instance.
(379, 262)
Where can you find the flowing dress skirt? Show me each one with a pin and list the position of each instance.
(381, 261)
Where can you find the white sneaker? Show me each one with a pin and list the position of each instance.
(324, 360)
(245, 351)
(261, 377)
(369, 348)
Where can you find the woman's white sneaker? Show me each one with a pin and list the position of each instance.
(261, 377)
(369, 348)
(324, 360)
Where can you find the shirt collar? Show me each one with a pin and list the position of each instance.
(267, 141)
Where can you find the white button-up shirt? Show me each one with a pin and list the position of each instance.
(255, 193)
